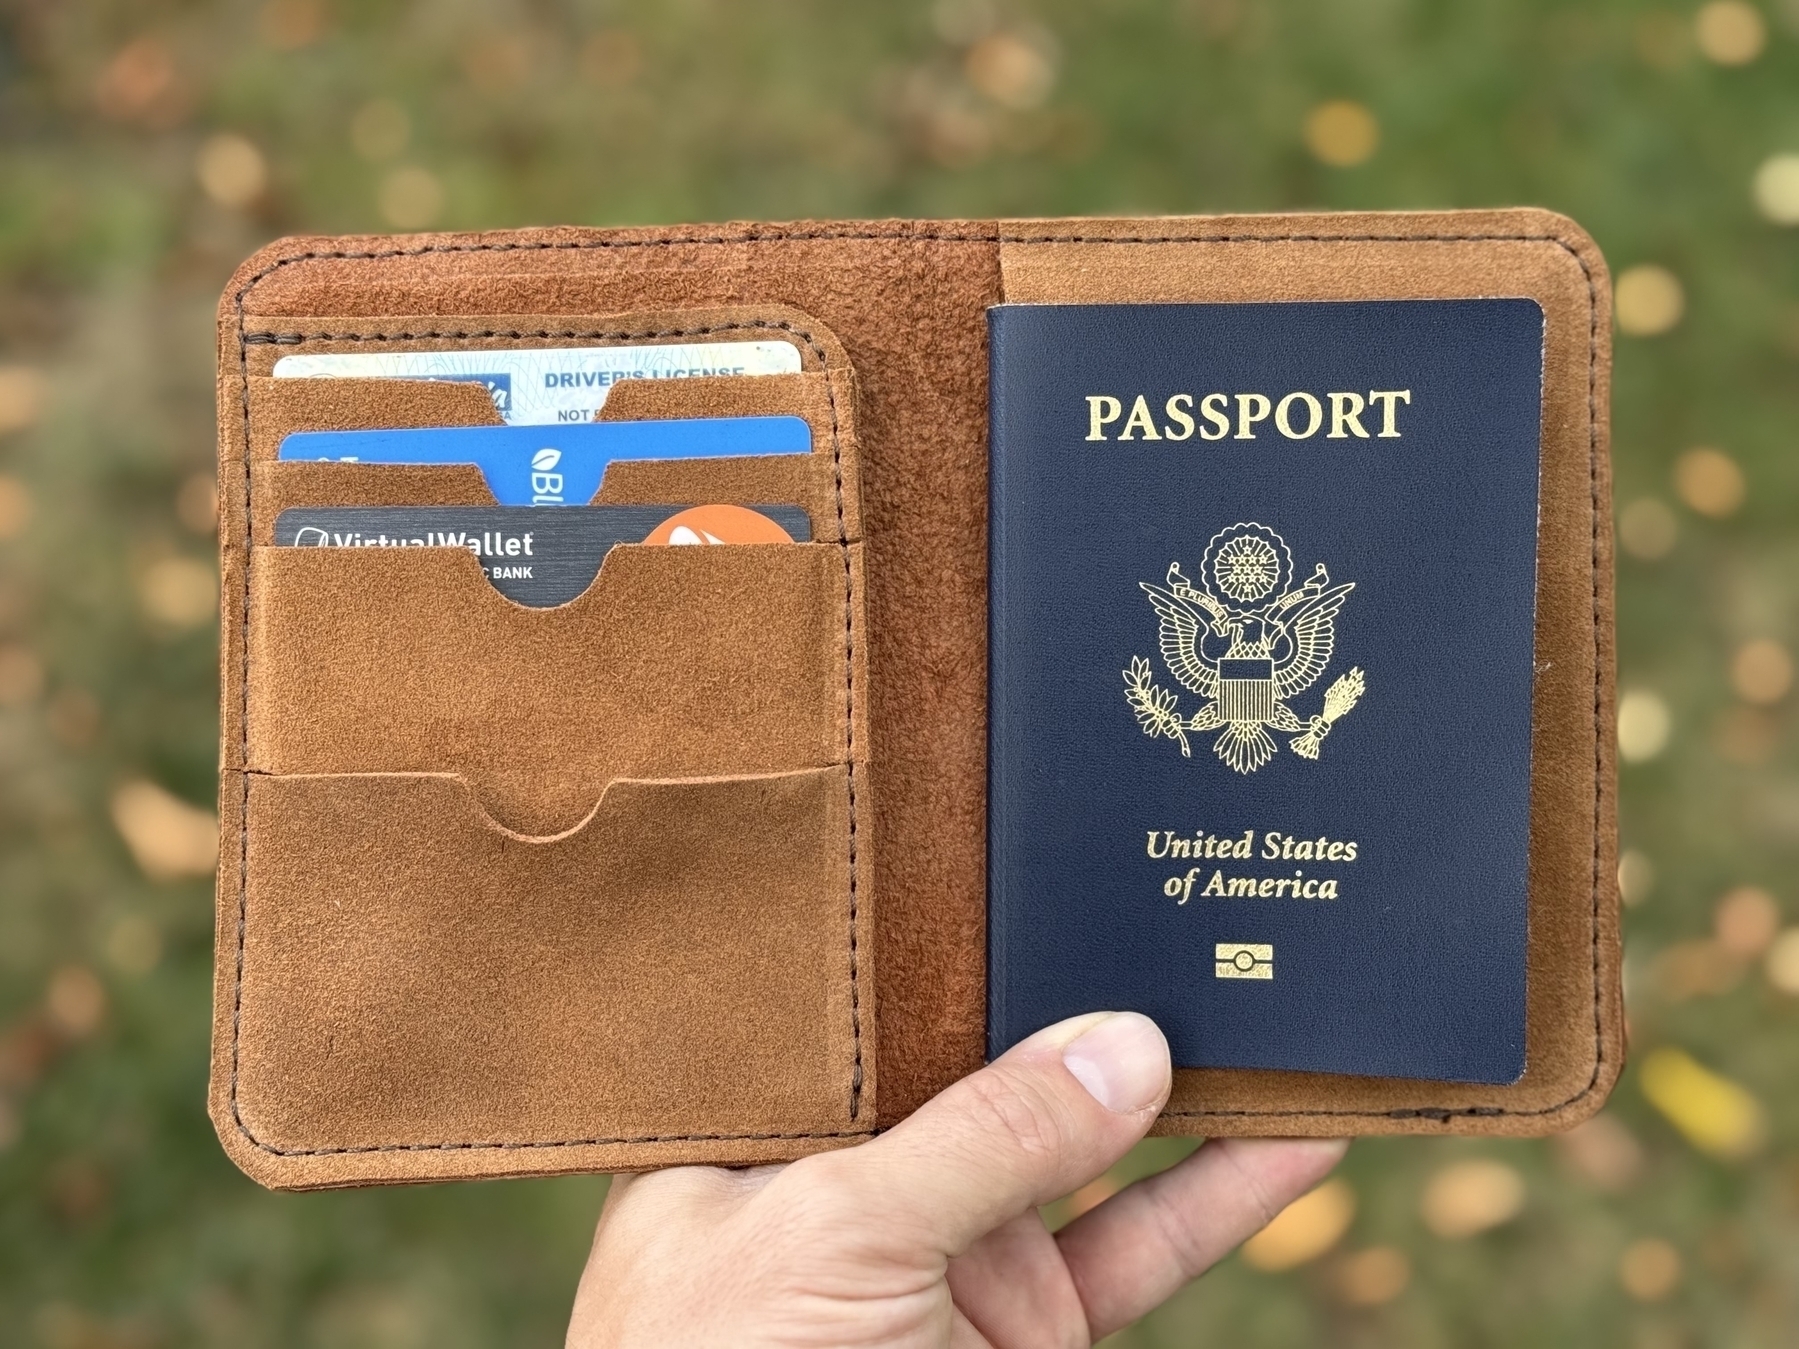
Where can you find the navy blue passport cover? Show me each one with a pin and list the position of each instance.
(1261, 664)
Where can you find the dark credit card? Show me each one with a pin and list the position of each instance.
(533, 556)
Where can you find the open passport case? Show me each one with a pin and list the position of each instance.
(693, 869)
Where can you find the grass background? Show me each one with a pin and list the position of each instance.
(145, 147)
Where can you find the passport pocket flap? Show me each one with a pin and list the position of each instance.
(826, 483)
(423, 991)
(673, 662)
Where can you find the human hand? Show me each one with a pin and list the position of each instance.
(928, 1235)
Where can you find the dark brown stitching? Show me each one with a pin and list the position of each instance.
(751, 236)
(570, 1143)
(849, 741)
(900, 235)
(243, 822)
(245, 340)
(296, 339)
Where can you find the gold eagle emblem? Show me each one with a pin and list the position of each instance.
(1245, 640)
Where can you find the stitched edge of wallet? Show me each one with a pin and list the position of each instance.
(245, 341)
(997, 237)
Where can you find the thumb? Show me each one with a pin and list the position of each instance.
(1041, 1120)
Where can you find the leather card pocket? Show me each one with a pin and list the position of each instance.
(415, 976)
(674, 662)
(556, 889)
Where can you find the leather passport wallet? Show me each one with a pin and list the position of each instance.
(695, 868)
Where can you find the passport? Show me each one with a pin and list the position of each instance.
(1262, 608)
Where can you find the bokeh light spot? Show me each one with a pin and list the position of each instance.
(1730, 32)
(197, 503)
(75, 1001)
(1636, 876)
(1304, 1230)
(1373, 1277)
(1710, 482)
(1649, 1269)
(1603, 1152)
(139, 81)
(1761, 671)
(1468, 1198)
(1648, 529)
(1746, 920)
(1015, 70)
(181, 592)
(1777, 189)
(1644, 725)
(231, 170)
(1342, 133)
(21, 675)
(167, 837)
(23, 393)
(1782, 963)
(411, 198)
(1648, 300)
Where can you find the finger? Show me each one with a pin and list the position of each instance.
(1012, 1286)
(1135, 1250)
(1039, 1121)
(963, 1335)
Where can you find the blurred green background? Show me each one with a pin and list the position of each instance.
(146, 147)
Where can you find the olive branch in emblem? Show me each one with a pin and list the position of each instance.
(1154, 707)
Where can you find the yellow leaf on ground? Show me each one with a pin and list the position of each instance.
(1716, 1115)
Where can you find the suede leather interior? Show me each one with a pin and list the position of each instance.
(682, 913)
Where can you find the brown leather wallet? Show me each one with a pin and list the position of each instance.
(691, 869)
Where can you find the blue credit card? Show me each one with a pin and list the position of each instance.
(554, 465)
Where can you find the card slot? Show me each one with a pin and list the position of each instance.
(279, 407)
(280, 484)
(399, 320)
(675, 662)
(806, 481)
(826, 484)
(415, 976)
